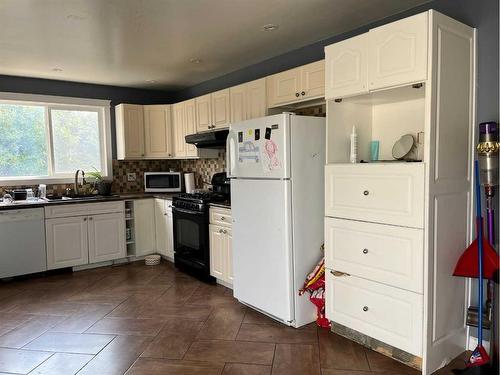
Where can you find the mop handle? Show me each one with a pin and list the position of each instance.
(480, 254)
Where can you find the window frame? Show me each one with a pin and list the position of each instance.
(49, 102)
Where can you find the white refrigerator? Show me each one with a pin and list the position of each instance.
(276, 165)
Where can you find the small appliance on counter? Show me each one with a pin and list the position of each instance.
(191, 221)
(162, 182)
(189, 182)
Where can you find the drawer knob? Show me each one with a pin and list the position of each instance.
(303, 93)
(297, 94)
(365, 251)
(366, 192)
(365, 309)
(222, 218)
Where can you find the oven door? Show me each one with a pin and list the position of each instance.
(191, 240)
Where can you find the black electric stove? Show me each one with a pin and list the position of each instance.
(191, 231)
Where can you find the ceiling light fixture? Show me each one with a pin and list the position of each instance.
(270, 27)
(194, 61)
(57, 70)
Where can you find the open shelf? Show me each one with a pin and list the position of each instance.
(382, 116)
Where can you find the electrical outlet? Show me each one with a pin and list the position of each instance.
(131, 177)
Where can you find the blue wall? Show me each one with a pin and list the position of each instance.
(482, 14)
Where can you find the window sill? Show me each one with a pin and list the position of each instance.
(43, 180)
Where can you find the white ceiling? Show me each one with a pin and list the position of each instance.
(130, 42)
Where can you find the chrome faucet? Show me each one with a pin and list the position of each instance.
(76, 180)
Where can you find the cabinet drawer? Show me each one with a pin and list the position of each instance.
(388, 314)
(220, 216)
(388, 254)
(83, 209)
(381, 193)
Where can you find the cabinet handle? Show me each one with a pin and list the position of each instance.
(221, 231)
(365, 251)
(338, 273)
(222, 218)
(303, 93)
(225, 231)
(84, 219)
(91, 218)
(366, 192)
(365, 308)
(297, 94)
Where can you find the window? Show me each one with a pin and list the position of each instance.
(50, 140)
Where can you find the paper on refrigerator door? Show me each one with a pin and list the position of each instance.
(249, 151)
(270, 157)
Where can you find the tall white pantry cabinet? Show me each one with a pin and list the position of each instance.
(394, 230)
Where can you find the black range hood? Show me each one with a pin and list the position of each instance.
(210, 139)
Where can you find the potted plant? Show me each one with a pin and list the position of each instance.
(103, 187)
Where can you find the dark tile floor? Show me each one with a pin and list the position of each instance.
(155, 320)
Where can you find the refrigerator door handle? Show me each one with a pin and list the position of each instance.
(230, 154)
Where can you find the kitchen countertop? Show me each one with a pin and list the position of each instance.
(41, 203)
(225, 204)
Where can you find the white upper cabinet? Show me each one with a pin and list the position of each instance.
(248, 100)
(256, 99)
(203, 112)
(178, 112)
(129, 131)
(346, 68)
(283, 88)
(397, 52)
(220, 109)
(158, 131)
(312, 78)
(296, 85)
(190, 126)
(238, 103)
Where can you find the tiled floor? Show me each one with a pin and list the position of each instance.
(155, 320)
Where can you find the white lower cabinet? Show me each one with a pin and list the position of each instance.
(221, 250)
(106, 237)
(144, 220)
(67, 242)
(92, 235)
(389, 314)
(164, 227)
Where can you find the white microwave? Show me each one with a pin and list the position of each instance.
(162, 182)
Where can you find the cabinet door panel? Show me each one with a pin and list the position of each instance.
(179, 129)
(67, 242)
(190, 126)
(313, 80)
(203, 112)
(391, 315)
(256, 105)
(387, 254)
(161, 227)
(346, 67)
(229, 256)
(380, 193)
(134, 131)
(221, 108)
(158, 131)
(397, 52)
(217, 252)
(106, 237)
(283, 88)
(144, 221)
(238, 103)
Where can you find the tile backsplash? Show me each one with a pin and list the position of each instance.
(203, 169)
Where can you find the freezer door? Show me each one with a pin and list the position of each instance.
(262, 246)
(259, 148)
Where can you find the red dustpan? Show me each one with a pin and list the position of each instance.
(467, 265)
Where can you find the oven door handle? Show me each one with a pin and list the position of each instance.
(181, 210)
